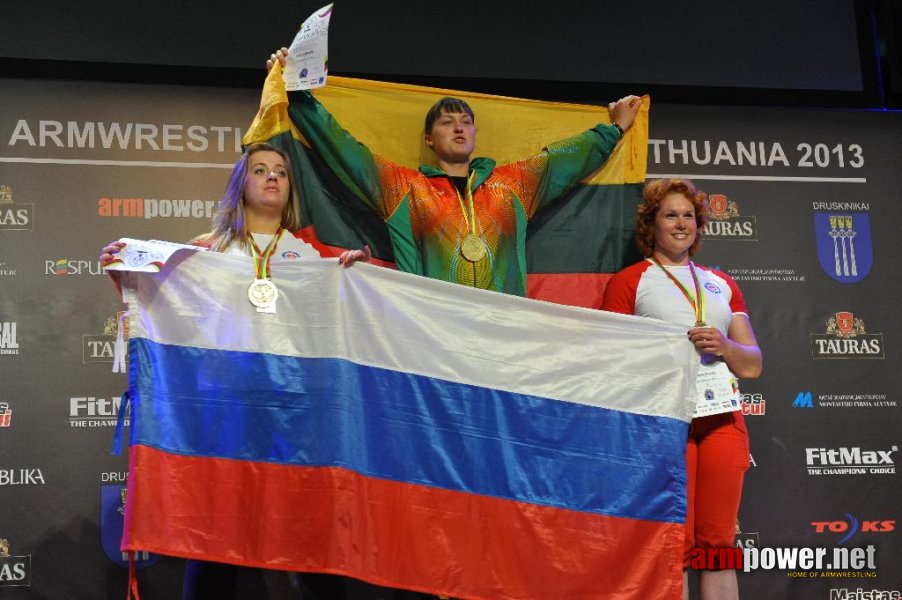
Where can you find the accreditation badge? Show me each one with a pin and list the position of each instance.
(717, 389)
(263, 294)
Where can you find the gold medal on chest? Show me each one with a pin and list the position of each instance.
(472, 248)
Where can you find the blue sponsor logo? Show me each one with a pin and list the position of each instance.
(803, 400)
(844, 245)
(112, 518)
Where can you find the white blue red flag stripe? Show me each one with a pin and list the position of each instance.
(406, 431)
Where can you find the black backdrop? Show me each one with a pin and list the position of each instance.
(782, 173)
(823, 52)
(566, 41)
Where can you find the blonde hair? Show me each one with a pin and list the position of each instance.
(230, 222)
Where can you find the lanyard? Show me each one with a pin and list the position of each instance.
(697, 302)
(261, 259)
(469, 216)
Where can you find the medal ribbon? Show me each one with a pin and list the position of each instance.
(261, 259)
(470, 216)
(697, 305)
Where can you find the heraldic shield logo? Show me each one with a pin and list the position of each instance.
(844, 324)
(112, 521)
(844, 245)
(720, 207)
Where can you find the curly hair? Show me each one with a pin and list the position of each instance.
(654, 193)
(230, 222)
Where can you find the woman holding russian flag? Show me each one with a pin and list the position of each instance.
(258, 216)
(669, 286)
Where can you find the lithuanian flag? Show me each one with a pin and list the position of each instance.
(573, 246)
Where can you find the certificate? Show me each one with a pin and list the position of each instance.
(146, 256)
(718, 390)
(308, 56)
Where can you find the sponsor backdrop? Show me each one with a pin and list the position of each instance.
(804, 211)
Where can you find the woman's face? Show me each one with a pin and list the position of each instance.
(675, 227)
(266, 188)
(453, 136)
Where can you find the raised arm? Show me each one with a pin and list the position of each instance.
(350, 161)
(544, 178)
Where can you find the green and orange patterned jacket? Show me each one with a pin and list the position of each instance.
(422, 209)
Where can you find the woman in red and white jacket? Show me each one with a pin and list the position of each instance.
(668, 286)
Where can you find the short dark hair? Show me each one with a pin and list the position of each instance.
(447, 105)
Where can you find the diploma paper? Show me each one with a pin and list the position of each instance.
(147, 256)
(308, 56)
(718, 390)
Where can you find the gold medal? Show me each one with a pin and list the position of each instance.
(263, 293)
(472, 248)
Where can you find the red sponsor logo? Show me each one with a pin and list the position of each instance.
(844, 322)
(715, 559)
(721, 207)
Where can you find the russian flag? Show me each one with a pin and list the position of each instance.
(405, 431)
